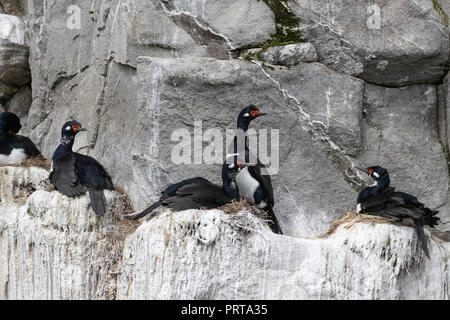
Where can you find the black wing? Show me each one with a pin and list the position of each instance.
(168, 197)
(64, 177)
(91, 174)
(377, 202)
(30, 148)
(198, 194)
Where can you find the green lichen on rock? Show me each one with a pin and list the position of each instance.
(287, 31)
(441, 12)
(286, 25)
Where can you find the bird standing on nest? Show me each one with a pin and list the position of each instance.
(382, 200)
(73, 174)
(255, 187)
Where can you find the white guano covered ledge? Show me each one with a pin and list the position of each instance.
(52, 247)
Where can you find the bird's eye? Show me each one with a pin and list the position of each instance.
(75, 127)
(370, 171)
(254, 113)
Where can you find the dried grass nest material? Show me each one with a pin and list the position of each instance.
(39, 162)
(235, 207)
(352, 218)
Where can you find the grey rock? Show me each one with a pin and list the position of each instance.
(444, 11)
(20, 105)
(290, 54)
(14, 68)
(13, 7)
(6, 91)
(444, 113)
(242, 23)
(409, 46)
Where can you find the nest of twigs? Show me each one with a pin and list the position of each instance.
(235, 207)
(39, 162)
(351, 218)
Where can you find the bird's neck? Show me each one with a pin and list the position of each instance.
(64, 147)
(243, 124)
(380, 185)
(230, 188)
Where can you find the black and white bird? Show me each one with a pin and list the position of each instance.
(14, 148)
(382, 200)
(73, 174)
(255, 187)
(197, 193)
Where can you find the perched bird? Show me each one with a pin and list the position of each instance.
(382, 200)
(254, 186)
(14, 148)
(197, 193)
(73, 174)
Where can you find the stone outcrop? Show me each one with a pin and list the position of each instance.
(14, 68)
(290, 54)
(393, 43)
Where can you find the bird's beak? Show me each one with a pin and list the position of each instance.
(81, 129)
(261, 114)
(362, 169)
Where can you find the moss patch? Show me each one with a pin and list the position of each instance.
(287, 31)
(286, 25)
(441, 12)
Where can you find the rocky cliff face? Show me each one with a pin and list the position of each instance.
(345, 84)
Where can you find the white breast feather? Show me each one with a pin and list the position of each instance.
(247, 185)
(16, 156)
(358, 208)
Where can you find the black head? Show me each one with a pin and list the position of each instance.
(9, 123)
(247, 115)
(230, 170)
(375, 172)
(250, 113)
(71, 128)
(378, 174)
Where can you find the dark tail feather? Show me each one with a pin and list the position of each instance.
(147, 211)
(422, 238)
(98, 202)
(274, 225)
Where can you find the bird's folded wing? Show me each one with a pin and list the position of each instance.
(30, 148)
(374, 203)
(264, 181)
(92, 174)
(64, 177)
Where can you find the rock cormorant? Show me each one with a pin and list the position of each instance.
(254, 186)
(73, 174)
(382, 200)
